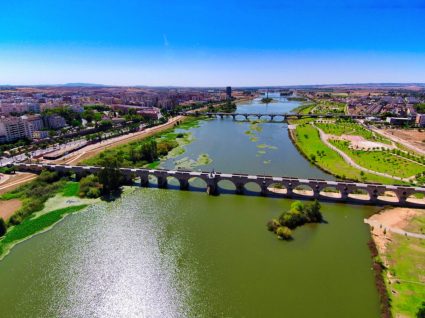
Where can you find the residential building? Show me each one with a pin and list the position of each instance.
(420, 120)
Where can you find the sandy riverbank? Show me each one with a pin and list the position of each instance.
(390, 221)
(9, 207)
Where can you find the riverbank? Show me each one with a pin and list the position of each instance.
(399, 237)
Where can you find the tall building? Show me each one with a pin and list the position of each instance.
(229, 92)
(13, 128)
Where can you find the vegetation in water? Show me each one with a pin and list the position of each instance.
(298, 215)
(32, 226)
(266, 100)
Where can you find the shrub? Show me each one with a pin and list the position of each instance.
(272, 225)
(3, 227)
(284, 233)
(90, 187)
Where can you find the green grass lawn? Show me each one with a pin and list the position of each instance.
(381, 161)
(406, 259)
(71, 189)
(308, 140)
(325, 107)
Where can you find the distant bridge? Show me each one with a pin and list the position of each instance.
(280, 117)
(285, 187)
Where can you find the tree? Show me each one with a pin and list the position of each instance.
(313, 212)
(3, 227)
(110, 176)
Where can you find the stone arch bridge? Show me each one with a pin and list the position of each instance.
(285, 187)
(275, 117)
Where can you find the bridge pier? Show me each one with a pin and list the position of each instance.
(234, 117)
(264, 189)
(144, 180)
(162, 182)
(184, 184)
(344, 193)
(212, 186)
(128, 179)
(240, 189)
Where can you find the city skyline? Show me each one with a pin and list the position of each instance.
(193, 44)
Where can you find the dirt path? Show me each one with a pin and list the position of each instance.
(324, 138)
(9, 207)
(15, 181)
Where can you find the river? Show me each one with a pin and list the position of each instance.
(169, 253)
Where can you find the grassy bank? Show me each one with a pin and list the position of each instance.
(402, 259)
(31, 226)
(307, 139)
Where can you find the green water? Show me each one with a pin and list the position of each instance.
(169, 253)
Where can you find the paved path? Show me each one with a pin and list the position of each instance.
(394, 230)
(347, 158)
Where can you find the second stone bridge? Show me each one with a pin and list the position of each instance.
(286, 187)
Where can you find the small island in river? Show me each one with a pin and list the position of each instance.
(299, 214)
(266, 100)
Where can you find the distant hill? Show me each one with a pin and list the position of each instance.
(82, 85)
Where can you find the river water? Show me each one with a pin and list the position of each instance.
(169, 253)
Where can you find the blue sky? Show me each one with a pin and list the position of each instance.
(211, 43)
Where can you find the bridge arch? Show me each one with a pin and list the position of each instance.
(227, 186)
(277, 188)
(331, 192)
(359, 194)
(252, 187)
(197, 184)
(173, 182)
(265, 117)
(304, 190)
(416, 198)
(388, 196)
(240, 117)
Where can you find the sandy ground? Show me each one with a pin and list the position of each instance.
(358, 142)
(9, 207)
(411, 138)
(387, 221)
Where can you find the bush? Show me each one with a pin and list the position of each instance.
(272, 225)
(90, 187)
(284, 233)
(48, 176)
(3, 227)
